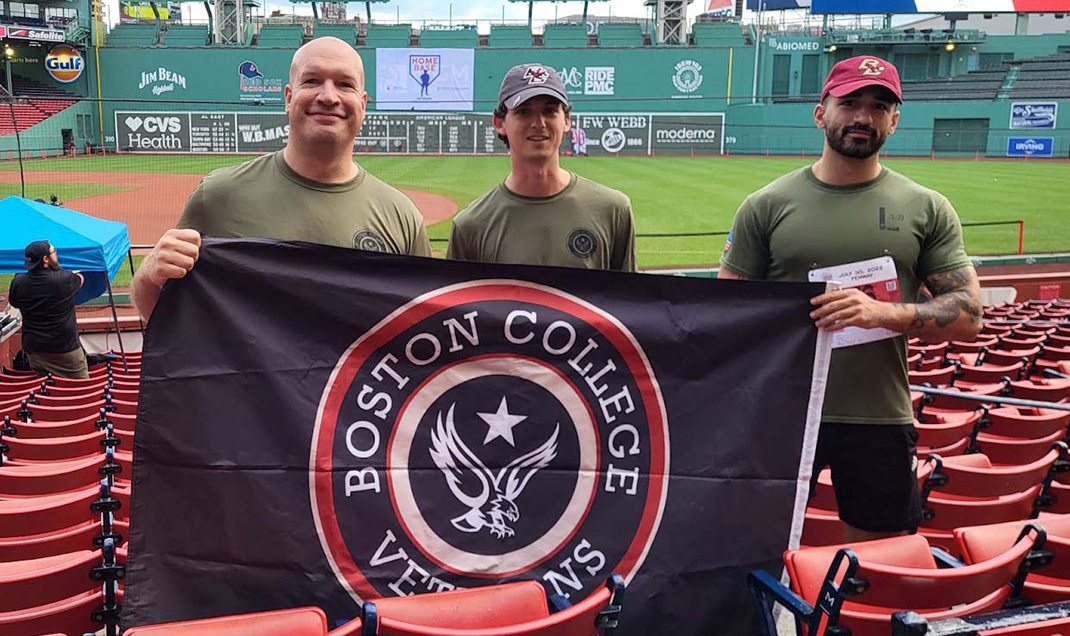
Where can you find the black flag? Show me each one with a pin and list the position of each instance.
(319, 426)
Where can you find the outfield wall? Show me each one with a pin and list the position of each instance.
(639, 81)
(789, 129)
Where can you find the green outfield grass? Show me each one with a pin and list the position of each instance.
(62, 190)
(694, 194)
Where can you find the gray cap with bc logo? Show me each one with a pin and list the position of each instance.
(525, 81)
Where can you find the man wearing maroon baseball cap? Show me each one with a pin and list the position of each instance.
(848, 219)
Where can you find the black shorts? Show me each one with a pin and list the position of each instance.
(874, 474)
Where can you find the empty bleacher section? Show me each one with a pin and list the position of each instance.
(717, 34)
(35, 102)
(507, 36)
(973, 85)
(620, 35)
(450, 38)
(388, 35)
(286, 36)
(1043, 77)
(185, 35)
(133, 35)
(565, 35)
(344, 32)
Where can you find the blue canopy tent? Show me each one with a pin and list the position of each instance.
(95, 247)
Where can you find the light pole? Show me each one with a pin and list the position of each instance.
(9, 91)
(8, 54)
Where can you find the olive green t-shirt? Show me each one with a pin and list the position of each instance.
(585, 225)
(265, 198)
(798, 223)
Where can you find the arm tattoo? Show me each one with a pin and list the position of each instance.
(951, 299)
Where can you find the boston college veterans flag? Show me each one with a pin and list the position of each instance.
(319, 426)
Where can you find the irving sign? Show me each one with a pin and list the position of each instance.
(408, 426)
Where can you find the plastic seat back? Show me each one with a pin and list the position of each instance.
(301, 621)
(482, 607)
(31, 583)
(585, 618)
(1012, 451)
(1029, 423)
(966, 477)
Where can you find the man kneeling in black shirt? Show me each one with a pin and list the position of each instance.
(45, 296)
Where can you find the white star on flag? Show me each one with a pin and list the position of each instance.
(501, 423)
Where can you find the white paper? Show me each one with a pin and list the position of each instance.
(877, 277)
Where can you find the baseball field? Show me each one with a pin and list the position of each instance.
(669, 195)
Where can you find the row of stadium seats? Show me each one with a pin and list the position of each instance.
(1047, 76)
(511, 609)
(65, 498)
(862, 587)
(985, 472)
(402, 35)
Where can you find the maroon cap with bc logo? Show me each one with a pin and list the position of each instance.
(858, 72)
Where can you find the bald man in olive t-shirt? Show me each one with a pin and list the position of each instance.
(265, 198)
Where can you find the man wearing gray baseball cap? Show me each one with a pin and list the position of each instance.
(542, 214)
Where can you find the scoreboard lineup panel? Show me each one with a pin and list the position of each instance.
(414, 133)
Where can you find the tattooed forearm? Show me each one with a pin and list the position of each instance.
(945, 309)
(956, 302)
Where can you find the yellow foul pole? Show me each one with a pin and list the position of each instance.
(96, 54)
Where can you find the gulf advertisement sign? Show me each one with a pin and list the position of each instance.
(64, 64)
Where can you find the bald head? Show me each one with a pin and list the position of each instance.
(327, 49)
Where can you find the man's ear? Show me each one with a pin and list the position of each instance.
(895, 121)
(819, 115)
(499, 123)
(287, 95)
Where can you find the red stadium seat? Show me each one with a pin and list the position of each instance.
(975, 476)
(52, 513)
(63, 448)
(974, 346)
(987, 373)
(863, 584)
(985, 494)
(62, 541)
(68, 428)
(58, 477)
(940, 377)
(1047, 584)
(1003, 450)
(35, 582)
(1054, 390)
(1026, 422)
(951, 450)
(301, 621)
(1021, 343)
(941, 429)
(1000, 357)
(499, 610)
(952, 403)
(822, 527)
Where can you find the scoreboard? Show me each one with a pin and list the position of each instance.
(414, 133)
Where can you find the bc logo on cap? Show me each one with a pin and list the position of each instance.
(536, 75)
(64, 64)
(870, 66)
